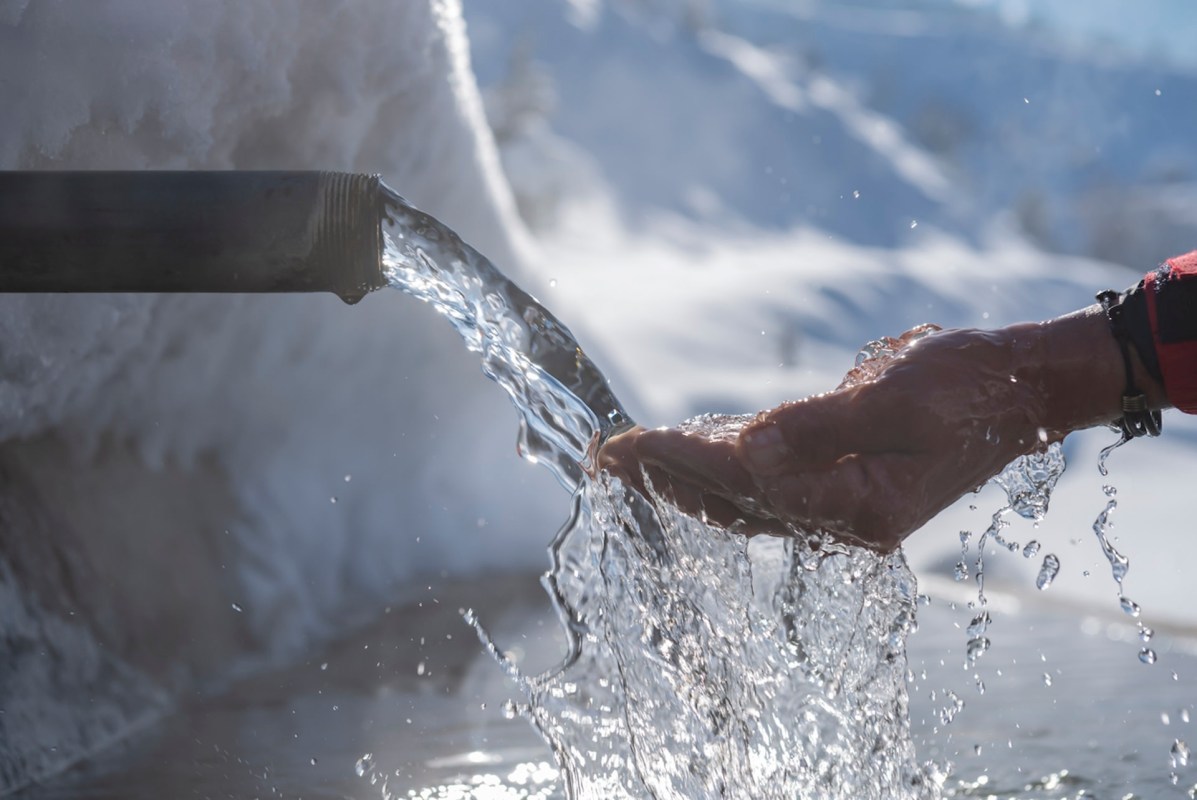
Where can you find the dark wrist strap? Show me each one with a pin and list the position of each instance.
(1137, 418)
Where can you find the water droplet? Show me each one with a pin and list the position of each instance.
(364, 764)
(312, 761)
(1031, 549)
(976, 647)
(1129, 607)
(1158, 92)
(961, 573)
(509, 709)
(1047, 679)
(1180, 753)
(421, 668)
(333, 500)
(1145, 634)
(237, 608)
(348, 478)
(324, 666)
(1047, 572)
(955, 706)
(856, 192)
(914, 223)
(1147, 655)
(1184, 715)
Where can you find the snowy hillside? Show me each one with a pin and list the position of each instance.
(860, 118)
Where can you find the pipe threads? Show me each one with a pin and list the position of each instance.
(348, 236)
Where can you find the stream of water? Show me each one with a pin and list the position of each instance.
(699, 663)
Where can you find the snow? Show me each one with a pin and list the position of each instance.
(945, 116)
(136, 408)
(291, 393)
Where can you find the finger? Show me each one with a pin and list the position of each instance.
(869, 500)
(618, 454)
(677, 475)
(818, 431)
(705, 505)
(704, 462)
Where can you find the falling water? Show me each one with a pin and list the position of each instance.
(699, 663)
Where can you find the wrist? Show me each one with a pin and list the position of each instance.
(1077, 366)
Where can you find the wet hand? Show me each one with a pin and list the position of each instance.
(872, 461)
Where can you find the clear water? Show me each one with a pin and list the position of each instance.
(564, 402)
(699, 663)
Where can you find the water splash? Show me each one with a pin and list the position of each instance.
(712, 664)
(1028, 482)
(564, 402)
(1047, 571)
(698, 663)
(1179, 753)
(1119, 563)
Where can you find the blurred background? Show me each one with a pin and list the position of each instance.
(732, 197)
(724, 199)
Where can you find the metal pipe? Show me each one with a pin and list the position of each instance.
(191, 232)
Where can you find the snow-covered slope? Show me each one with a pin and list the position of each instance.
(860, 118)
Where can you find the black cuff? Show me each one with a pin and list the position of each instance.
(1138, 327)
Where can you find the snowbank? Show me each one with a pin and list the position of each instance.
(197, 484)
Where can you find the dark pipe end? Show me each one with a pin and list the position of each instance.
(191, 232)
(348, 244)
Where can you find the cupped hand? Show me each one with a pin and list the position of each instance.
(870, 462)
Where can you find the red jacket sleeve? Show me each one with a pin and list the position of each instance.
(1171, 295)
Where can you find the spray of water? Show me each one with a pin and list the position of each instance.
(699, 663)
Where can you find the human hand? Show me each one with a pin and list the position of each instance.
(872, 461)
